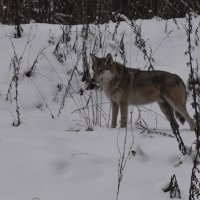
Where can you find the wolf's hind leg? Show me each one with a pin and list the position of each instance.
(181, 109)
(177, 99)
(168, 112)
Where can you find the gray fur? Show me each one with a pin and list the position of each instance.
(127, 86)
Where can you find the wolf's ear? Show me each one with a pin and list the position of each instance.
(109, 59)
(93, 57)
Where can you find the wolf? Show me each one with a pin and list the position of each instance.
(128, 86)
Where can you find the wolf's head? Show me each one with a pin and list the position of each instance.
(102, 69)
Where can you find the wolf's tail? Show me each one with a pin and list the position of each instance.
(180, 117)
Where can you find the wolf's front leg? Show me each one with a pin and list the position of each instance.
(124, 114)
(115, 109)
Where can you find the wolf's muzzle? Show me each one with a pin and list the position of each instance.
(93, 81)
(92, 85)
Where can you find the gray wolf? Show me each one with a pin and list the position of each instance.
(127, 86)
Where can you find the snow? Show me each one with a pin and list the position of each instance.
(58, 158)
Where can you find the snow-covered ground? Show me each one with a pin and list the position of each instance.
(59, 159)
